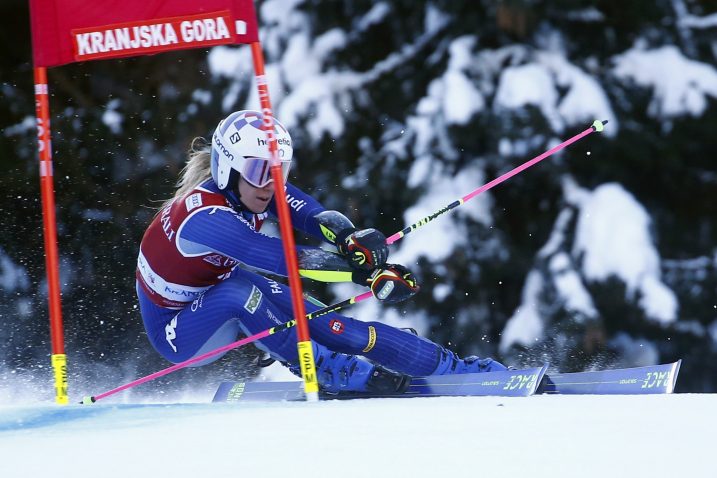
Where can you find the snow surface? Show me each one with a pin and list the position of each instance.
(540, 436)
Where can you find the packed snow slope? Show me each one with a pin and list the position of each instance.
(539, 436)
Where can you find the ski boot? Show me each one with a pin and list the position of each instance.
(385, 381)
(339, 373)
(449, 363)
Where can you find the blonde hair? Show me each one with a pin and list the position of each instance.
(196, 171)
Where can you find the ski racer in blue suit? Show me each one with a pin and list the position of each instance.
(201, 260)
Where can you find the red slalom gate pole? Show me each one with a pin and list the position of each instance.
(305, 349)
(49, 224)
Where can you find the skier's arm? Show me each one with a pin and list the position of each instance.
(365, 249)
(308, 215)
(222, 230)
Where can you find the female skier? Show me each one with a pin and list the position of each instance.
(200, 262)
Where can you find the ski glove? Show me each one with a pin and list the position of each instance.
(391, 284)
(365, 249)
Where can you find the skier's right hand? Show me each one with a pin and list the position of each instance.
(391, 284)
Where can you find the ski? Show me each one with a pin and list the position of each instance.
(654, 379)
(509, 383)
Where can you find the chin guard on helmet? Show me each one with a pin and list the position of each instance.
(240, 147)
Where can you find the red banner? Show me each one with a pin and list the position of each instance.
(64, 31)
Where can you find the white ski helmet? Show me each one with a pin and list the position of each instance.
(240, 147)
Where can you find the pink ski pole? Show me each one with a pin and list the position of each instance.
(596, 126)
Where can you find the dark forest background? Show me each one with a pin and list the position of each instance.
(109, 181)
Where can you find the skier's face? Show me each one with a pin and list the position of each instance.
(255, 199)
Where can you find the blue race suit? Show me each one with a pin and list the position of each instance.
(196, 292)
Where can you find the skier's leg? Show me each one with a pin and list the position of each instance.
(214, 319)
(262, 303)
(394, 348)
(391, 347)
(388, 346)
(180, 335)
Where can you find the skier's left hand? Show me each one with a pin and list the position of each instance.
(365, 249)
(391, 284)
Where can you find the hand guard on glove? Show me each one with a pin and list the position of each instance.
(366, 249)
(391, 284)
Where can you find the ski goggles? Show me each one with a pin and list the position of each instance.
(257, 171)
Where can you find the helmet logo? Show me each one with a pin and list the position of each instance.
(280, 141)
(235, 138)
(224, 150)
